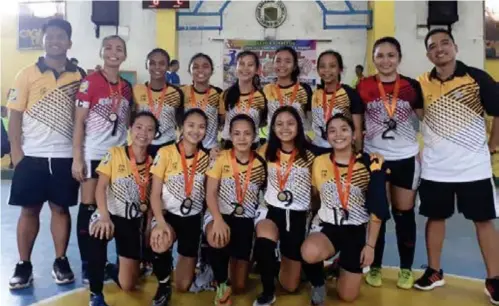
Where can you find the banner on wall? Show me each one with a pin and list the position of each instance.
(265, 49)
(32, 17)
(492, 29)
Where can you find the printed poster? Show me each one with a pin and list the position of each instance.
(265, 49)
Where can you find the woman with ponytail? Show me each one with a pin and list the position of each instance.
(244, 97)
(332, 97)
(287, 90)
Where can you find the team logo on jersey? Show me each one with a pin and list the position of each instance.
(12, 95)
(121, 168)
(43, 91)
(106, 158)
(143, 98)
(84, 87)
(324, 173)
(156, 160)
(226, 169)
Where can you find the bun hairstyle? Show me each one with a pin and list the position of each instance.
(296, 70)
(160, 51)
(233, 93)
(339, 59)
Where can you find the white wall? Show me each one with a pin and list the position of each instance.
(468, 33)
(141, 37)
(304, 21)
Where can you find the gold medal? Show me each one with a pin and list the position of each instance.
(113, 117)
(281, 196)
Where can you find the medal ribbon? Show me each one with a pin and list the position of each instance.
(293, 95)
(250, 102)
(343, 194)
(114, 95)
(203, 103)
(327, 107)
(156, 111)
(390, 108)
(188, 177)
(141, 180)
(282, 180)
(241, 192)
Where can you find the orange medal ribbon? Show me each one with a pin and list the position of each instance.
(248, 107)
(282, 180)
(203, 103)
(390, 108)
(241, 192)
(156, 111)
(343, 194)
(328, 107)
(293, 95)
(141, 180)
(188, 177)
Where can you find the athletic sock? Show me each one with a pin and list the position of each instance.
(405, 228)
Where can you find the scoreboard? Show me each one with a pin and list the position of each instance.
(165, 4)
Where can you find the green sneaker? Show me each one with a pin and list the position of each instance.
(223, 295)
(406, 279)
(373, 277)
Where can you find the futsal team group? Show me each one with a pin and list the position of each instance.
(156, 164)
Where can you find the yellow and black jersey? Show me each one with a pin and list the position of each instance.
(253, 105)
(346, 101)
(298, 95)
(367, 193)
(123, 194)
(222, 170)
(168, 167)
(454, 130)
(47, 100)
(167, 107)
(209, 103)
(298, 185)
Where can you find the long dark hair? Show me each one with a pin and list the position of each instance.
(233, 93)
(339, 59)
(296, 70)
(274, 143)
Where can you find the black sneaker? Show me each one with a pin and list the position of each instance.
(163, 295)
(430, 280)
(265, 300)
(61, 271)
(97, 300)
(492, 290)
(23, 276)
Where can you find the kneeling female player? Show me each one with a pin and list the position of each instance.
(177, 200)
(232, 190)
(353, 205)
(122, 202)
(283, 217)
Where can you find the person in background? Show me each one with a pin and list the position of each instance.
(40, 132)
(171, 75)
(456, 156)
(359, 75)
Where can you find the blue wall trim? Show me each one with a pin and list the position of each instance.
(196, 12)
(325, 12)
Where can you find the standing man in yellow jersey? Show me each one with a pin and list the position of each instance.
(41, 104)
(456, 157)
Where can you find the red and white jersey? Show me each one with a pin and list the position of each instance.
(104, 100)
